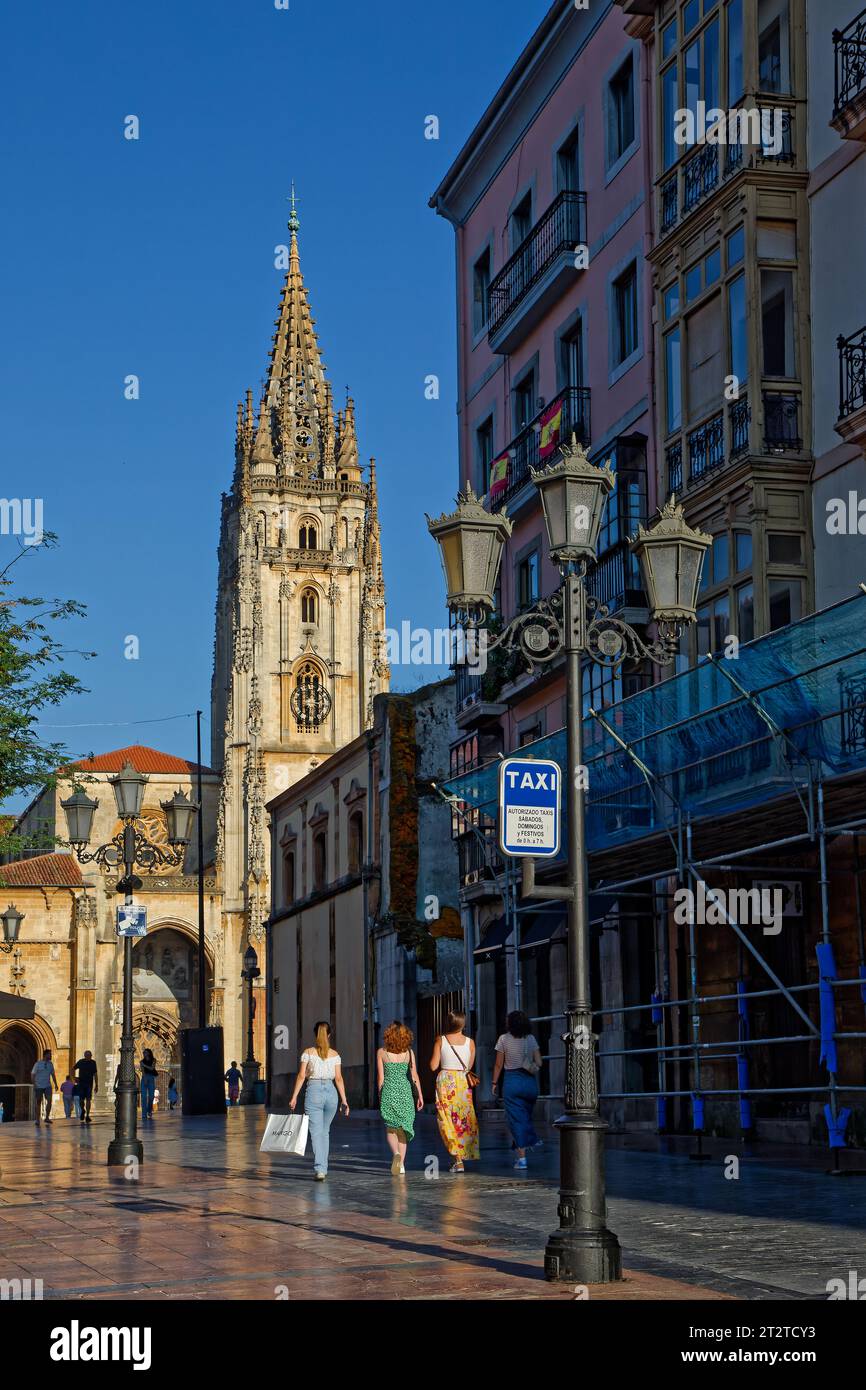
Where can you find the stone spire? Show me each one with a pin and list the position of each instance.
(294, 406)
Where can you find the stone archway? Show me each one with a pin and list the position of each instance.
(165, 995)
(19, 1050)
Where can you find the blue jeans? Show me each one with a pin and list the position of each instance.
(519, 1094)
(320, 1105)
(148, 1086)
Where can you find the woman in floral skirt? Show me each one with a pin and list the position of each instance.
(399, 1091)
(453, 1059)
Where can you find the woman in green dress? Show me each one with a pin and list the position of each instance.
(399, 1091)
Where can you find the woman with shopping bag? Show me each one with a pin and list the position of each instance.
(320, 1068)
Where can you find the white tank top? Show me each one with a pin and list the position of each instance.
(452, 1058)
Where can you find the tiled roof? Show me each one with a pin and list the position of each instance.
(142, 759)
(60, 870)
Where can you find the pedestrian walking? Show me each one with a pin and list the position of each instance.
(88, 1084)
(453, 1059)
(518, 1054)
(43, 1076)
(148, 1069)
(399, 1091)
(172, 1093)
(234, 1077)
(67, 1090)
(321, 1068)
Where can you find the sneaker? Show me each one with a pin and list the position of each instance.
(49, 1122)
(402, 1170)
(88, 1120)
(320, 1177)
(396, 1166)
(520, 1163)
(37, 1124)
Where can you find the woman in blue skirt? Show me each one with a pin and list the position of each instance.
(519, 1056)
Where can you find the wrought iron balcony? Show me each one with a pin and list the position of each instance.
(615, 580)
(555, 236)
(674, 463)
(524, 450)
(849, 45)
(785, 153)
(479, 858)
(670, 203)
(706, 448)
(782, 422)
(700, 176)
(852, 373)
(740, 421)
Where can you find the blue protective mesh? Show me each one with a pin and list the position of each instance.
(708, 748)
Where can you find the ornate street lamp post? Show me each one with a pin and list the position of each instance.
(11, 920)
(250, 1066)
(572, 623)
(129, 848)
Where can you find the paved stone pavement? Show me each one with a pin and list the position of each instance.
(211, 1218)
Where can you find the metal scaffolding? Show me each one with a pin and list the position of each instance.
(791, 729)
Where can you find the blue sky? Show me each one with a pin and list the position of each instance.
(156, 257)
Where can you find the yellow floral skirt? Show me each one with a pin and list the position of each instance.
(455, 1112)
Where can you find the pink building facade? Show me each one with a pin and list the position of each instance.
(551, 203)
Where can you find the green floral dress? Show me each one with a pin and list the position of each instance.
(397, 1101)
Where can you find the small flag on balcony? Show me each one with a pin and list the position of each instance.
(551, 427)
(498, 476)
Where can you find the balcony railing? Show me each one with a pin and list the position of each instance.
(782, 422)
(707, 447)
(849, 46)
(479, 858)
(559, 230)
(852, 373)
(614, 579)
(674, 460)
(524, 449)
(711, 163)
(740, 420)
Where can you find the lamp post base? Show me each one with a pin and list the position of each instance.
(583, 1250)
(121, 1151)
(250, 1072)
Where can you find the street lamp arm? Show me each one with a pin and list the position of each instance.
(144, 854)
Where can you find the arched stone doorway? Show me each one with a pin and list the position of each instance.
(18, 1052)
(165, 997)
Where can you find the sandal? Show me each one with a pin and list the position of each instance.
(456, 1168)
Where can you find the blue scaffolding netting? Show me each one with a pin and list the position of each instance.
(729, 734)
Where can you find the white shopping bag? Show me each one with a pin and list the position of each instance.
(285, 1134)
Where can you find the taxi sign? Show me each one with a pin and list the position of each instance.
(529, 807)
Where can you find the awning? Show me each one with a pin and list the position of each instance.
(13, 1006)
(538, 928)
(497, 933)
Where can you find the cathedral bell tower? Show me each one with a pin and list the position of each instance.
(300, 613)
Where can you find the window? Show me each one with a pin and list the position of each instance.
(527, 580)
(568, 165)
(773, 67)
(715, 570)
(530, 733)
(777, 322)
(356, 842)
(784, 548)
(481, 292)
(745, 598)
(621, 112)
(309, 606)
(712, 267)
(625, 315)
(289, 876)
(572, 356)
(691, 15)
(320, 860)
(736, 246)
(735, 51)
(310, 701)
(669, 39)
(308, 536)
(673, 381)
(713, 626)
(670, 103)
(739, 363)
(786, 602)
(672, 300)
(521, 221)
(524, 402)
(711, 65)
(693, 282)
(484, 454)
(743, 550)
(705, 373)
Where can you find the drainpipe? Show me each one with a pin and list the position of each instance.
(365, 888)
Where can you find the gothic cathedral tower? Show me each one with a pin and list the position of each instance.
(300, 613)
